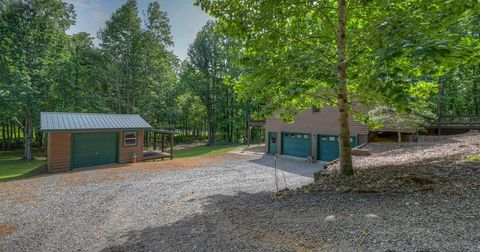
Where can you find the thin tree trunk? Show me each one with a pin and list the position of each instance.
(210, 127)
(4, 137)
(28, 155)
(399, 137)
(14, 135)
(346, 166)
(9, 135)
(19, 131)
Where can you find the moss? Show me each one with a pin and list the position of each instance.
(473, 158)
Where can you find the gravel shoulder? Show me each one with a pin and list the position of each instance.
(225, 203)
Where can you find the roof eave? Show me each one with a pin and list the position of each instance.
(91, 130)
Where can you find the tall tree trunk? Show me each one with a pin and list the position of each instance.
(211, 128)
(9, 135)
(28, 129)
(39, 139)
(346, 166)
(4, 137)
(19, 131)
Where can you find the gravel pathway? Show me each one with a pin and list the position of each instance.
(95, 209)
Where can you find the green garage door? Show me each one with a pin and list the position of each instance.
(328, 147)
(90, 149)
(296, 144)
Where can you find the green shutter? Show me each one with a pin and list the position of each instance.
(296, 144)
(91, 149)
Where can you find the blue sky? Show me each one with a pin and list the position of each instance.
(185, 19)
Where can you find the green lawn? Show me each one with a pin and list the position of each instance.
(204, 150)
(12, 165)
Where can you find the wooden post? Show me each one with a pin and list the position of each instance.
(45, 149)
(438, 125)
(171, 145)
(163, 142)
(154, 140)
(249, 135)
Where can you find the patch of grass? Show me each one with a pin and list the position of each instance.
(12, 166)
(474, 158)
(203, 150)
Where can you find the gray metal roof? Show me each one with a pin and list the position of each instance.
(59, 121)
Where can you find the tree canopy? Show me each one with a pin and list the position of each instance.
(302, 54)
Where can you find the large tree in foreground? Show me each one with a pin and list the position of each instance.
(299, 54)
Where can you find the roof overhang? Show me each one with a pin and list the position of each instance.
(62, 122)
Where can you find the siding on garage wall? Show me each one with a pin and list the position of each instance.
(59, 148)
(325, 121)
(125, 152)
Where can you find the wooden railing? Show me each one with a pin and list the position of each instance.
(252, 122)
(459, 120)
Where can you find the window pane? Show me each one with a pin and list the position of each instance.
(130, 141)
(130, 138)
(130, 135)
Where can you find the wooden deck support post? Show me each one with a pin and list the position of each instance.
(249, 137)
(163, 142)
(171, 145)
(154, 140)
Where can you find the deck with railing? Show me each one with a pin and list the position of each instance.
(457, 122)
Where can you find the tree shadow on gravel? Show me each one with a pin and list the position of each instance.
(318, 221)
(291, 165)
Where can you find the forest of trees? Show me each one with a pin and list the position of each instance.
(258, 56)
(132, 70)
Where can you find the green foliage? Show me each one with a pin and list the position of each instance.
(395, 50)
(459, 91)
(416, 119)
(206, 74)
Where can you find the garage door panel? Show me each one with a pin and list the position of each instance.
(90, 149)
(296, 144)
(328, 147)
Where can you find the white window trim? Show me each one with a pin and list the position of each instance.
(130, 138)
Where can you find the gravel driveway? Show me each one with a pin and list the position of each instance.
(225, 203)
(98, 209)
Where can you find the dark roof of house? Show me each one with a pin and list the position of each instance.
(59, 121)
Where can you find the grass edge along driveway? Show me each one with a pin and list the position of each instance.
(12, 166)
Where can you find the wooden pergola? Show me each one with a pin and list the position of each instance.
(254, 123)
(151, 139)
